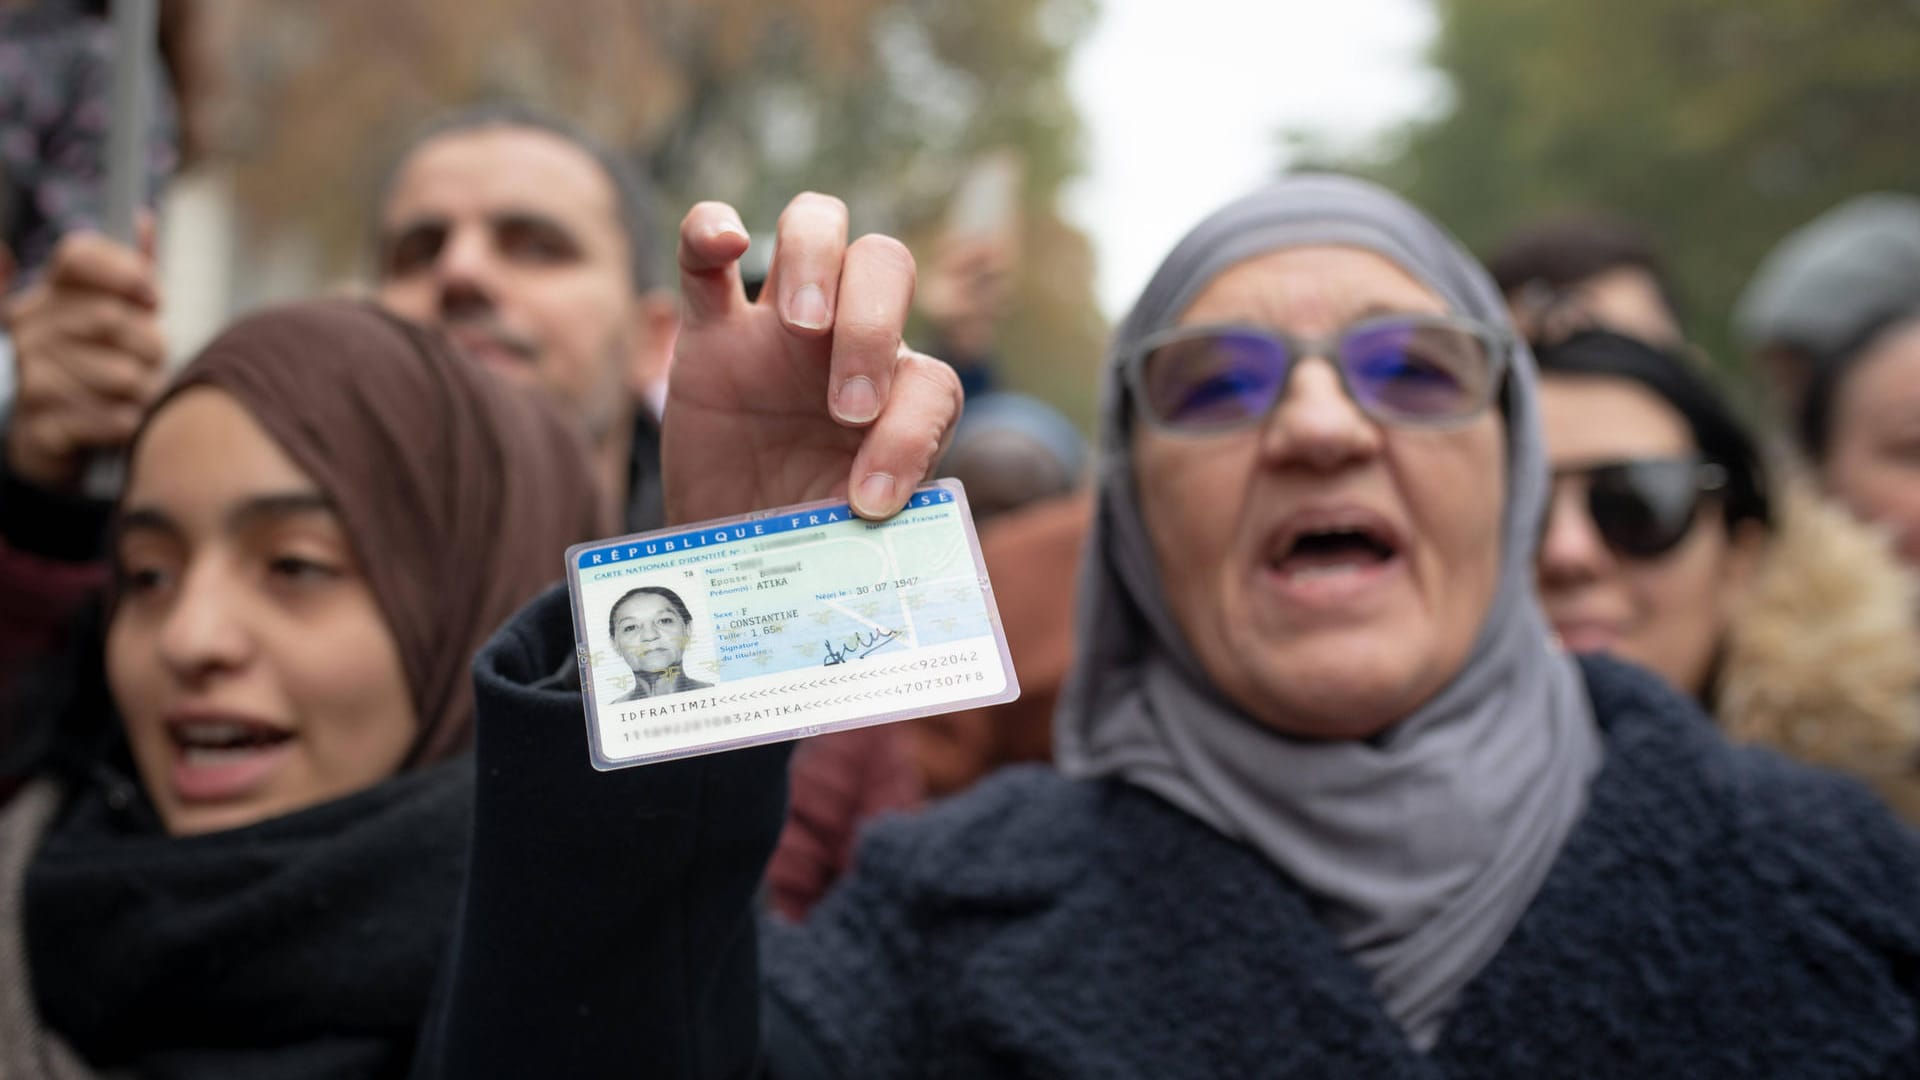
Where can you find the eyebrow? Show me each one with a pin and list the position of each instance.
(249, 511)
(523, 216)
(513, 215)
(1372, 310)
(392, 232)
(1376, 309)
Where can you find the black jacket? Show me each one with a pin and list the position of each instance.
(646, 497)
(1717, 912)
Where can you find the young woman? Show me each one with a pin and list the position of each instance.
(1666, 545)
(1332, 803)
(1860, 427)
(242, 840)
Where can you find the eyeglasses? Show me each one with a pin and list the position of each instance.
(1643, 508)
(1405, 370)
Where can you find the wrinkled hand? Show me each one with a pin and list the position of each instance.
(90, 357)
(806, 393)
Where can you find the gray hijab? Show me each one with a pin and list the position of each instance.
(1420, 848)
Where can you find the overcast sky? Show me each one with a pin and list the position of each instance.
(1184, 101)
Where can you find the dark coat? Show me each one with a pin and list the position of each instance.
(1717, 912)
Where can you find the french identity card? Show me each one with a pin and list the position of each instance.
(781, 624)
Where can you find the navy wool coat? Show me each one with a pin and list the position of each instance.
(1718, 912)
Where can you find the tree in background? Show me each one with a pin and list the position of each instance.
(1720, 125)
(883, 102)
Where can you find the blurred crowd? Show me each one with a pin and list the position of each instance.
(1433, 666)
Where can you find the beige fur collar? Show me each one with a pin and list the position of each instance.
(1823, 655)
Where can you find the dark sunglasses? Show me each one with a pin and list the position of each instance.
(1643, 508)
(1404, 370)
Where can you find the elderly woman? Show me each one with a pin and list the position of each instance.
(1332, 803)
(242, 845)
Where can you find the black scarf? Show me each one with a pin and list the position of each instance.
(306, 945)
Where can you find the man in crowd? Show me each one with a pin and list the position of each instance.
(1574, 271)
(530, 245)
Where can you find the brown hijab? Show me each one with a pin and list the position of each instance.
(459, 493)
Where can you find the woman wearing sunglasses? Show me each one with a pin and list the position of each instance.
(1664, 546)
(1331, 801)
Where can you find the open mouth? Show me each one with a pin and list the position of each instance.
(221, 758)
(219, 742)
(1316, 551)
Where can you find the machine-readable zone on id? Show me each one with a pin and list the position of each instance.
(781, 624)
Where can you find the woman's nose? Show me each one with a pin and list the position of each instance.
(1316, 423)
(1572, 551)
(203, 630)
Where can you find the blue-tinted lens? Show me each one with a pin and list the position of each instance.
(1417, 371)
(1213, 380)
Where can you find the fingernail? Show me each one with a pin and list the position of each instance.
(875, 495)
(808, 308)
(857, 401)
(729, 226)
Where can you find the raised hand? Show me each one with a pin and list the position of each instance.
(965, 292)
(90, 354)
(808, 392)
